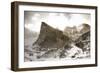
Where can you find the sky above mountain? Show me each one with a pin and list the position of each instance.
(57, 20)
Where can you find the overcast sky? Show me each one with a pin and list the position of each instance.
(57, 20)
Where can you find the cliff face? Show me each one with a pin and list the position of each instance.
(51, 38)
(84, 41)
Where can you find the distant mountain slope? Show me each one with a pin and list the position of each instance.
(75, 32)
(28, 33)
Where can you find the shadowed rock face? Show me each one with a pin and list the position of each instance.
(84, 41)
(51, 38)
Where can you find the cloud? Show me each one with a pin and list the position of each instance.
(57, 20)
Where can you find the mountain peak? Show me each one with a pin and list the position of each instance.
(50, 37)
(43, 24)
